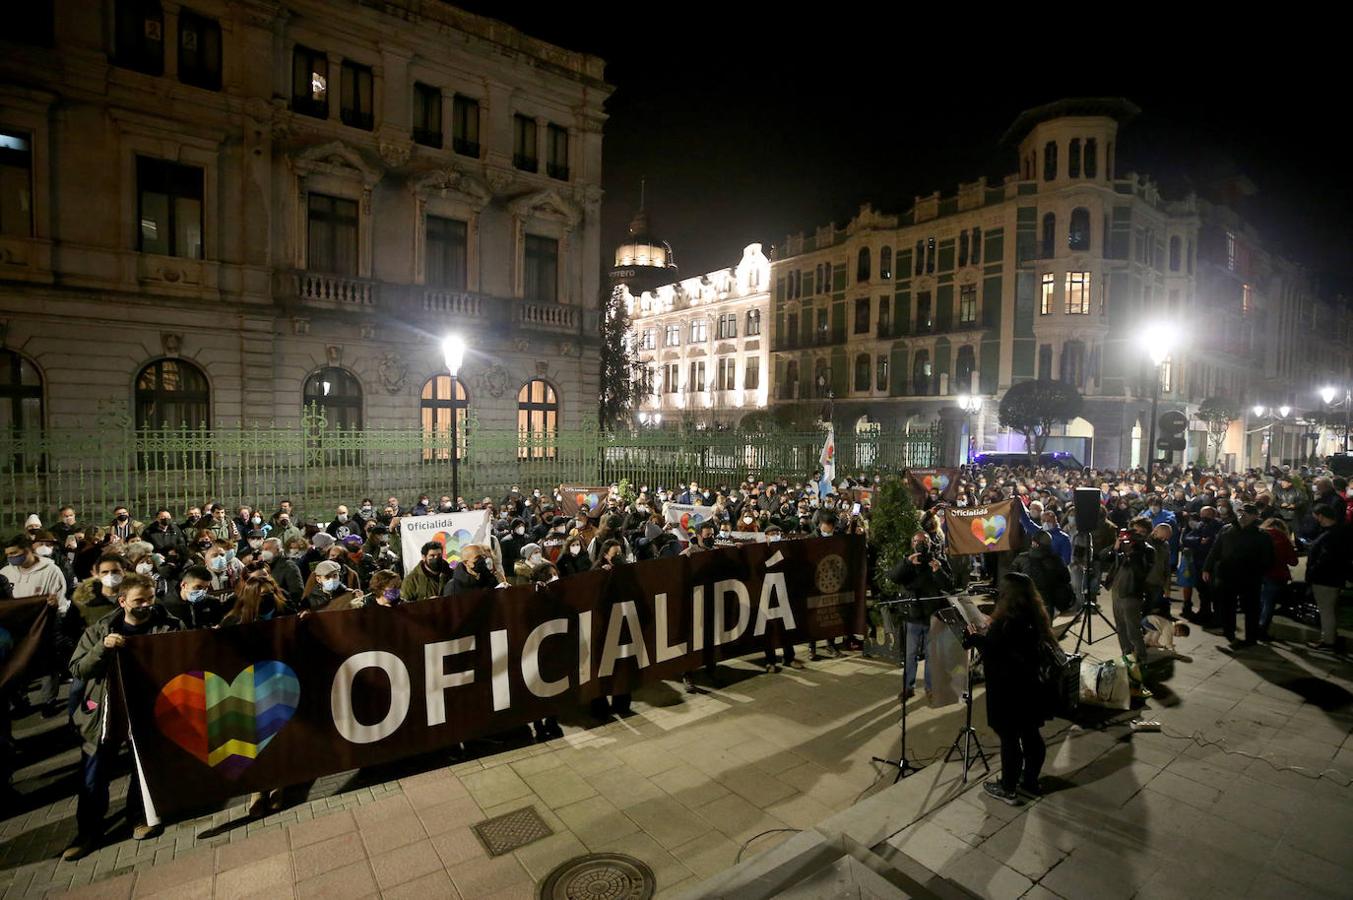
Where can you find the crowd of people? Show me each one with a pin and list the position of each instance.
(1228, 539)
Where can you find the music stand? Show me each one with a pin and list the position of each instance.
(903, 765)
(1089, 600)
(967, 743)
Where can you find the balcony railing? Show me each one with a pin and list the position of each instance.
(337, 290)
(453, 303)
(546, 316)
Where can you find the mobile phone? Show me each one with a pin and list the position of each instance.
(855, 510)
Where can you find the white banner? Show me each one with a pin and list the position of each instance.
(688, 516)
(451, 530)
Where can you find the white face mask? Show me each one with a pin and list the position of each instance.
(144, 568)
(331, 585)
(342, 517)
(774, 537)
(267, 556)
(255, 544)
(519, 530)
(111, 581)
(43, 551)
(575, 549)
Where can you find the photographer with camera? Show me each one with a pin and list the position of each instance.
(1130, 560)
(927, 578)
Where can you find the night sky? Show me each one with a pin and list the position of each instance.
(751, 123)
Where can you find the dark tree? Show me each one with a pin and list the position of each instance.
(1033, 407)
(622, 384)
(1218, 413)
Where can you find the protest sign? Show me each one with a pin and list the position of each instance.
(688, 516)
(218, 713)
(981, 529)
(923, 481)
(452, 530)
(592, 499)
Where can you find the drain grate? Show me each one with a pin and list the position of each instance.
(599, 876)
(505, 833)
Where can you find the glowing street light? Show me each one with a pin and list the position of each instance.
(1158, 339)
(1327, 395)
(453, 353)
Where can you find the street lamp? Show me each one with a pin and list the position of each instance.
(453, 353)
(1273, 415)
(1327, 395)
(1158, 340)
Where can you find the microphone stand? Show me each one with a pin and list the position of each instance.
(903, 765)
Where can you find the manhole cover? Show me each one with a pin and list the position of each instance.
(505, 833)
(599, 876)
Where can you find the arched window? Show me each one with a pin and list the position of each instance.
(964, 364)
(337, 394)
(20, 393)
(1078, 235)
(790, 390)
(862, 372)
(1073, 159)
(822, 378)
(170, 394)
(962, 248)
(920, 373)
(1090, 163)
(1174, 253)
(437, 409)
(1049, 160)
(1049, 236)
(537, 420)
(862, 265)
(886, 262)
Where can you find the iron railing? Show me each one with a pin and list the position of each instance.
(317, 467)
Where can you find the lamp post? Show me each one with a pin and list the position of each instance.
(1273, 415)
(1157, 339)
(1327, 394)
(453, 352)
(972, 405)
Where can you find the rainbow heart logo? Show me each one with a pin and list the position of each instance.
(588, 502)
(989, 530)
(227, 724)
(691, 520)
(935, 482)
(452, 543)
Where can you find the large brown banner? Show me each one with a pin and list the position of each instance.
(923, 481)
(218, 713)
(592, 499)
(981, 529)
(23, 632)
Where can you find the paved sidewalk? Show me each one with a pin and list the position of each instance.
(770, 765)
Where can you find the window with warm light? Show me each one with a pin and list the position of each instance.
(1045, 299)
(437, 409)
(310, 82)
(1078, 293)
(537, 420)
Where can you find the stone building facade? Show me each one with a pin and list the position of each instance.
(704, 346)
(219, 213)
(1054, 272)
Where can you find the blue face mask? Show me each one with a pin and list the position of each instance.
(197, 596)
(392, 594)
(218, 564)
(16, 561)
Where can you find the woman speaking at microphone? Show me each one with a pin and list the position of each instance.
(1015, 708)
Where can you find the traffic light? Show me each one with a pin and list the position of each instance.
(1172, 425)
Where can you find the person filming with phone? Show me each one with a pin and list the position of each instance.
(926, 577)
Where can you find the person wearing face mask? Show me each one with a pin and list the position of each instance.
(384, 590)
(424, 505)
(511, 545)
(473, 572)
(123, 527)
(612, 556)
(328, 588)
(702, 540)
(1061, 541)
(377, 553)
(138, 614)
(430, 578)
(164, 535)
(1235, 570)
(30, 574)
(283, 569)
(45, 546)
(197, 605)
(93, 599)
(285, 530)
(574, 559)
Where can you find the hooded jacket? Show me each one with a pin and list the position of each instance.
(44, 577)
(90, 664)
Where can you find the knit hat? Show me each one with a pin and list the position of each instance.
(323, 540)
(32, 522)
(529, 550)
(327, 568)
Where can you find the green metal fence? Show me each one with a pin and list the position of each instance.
(318, 467)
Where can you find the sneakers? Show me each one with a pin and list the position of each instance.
(144, 832)
(78, 849)
(996, 790)
(796, 664)
(690, 685)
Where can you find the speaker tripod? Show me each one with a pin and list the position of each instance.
(1089, 602)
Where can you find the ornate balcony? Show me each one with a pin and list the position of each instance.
(336, 291)
(546, 316)
(454, 303)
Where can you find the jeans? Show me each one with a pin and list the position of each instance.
(1127, 618)
(92, 807)
(1022, 755)
(1269, 594)
(917, 635)
(1327, 601)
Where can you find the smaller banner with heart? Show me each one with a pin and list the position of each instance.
(592, 499)
(982, 529)
(923, 481)
(452, 530)
(688, 516)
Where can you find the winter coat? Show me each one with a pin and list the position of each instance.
(464, 580)
(1200, 541)
(1284, 557)
(288, 577)
(90, 664)
(569, 564)
(1329, 562)
(165, 540)
(921, 582)
(1049, 574)
(1241, 556)
(1010, 657)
